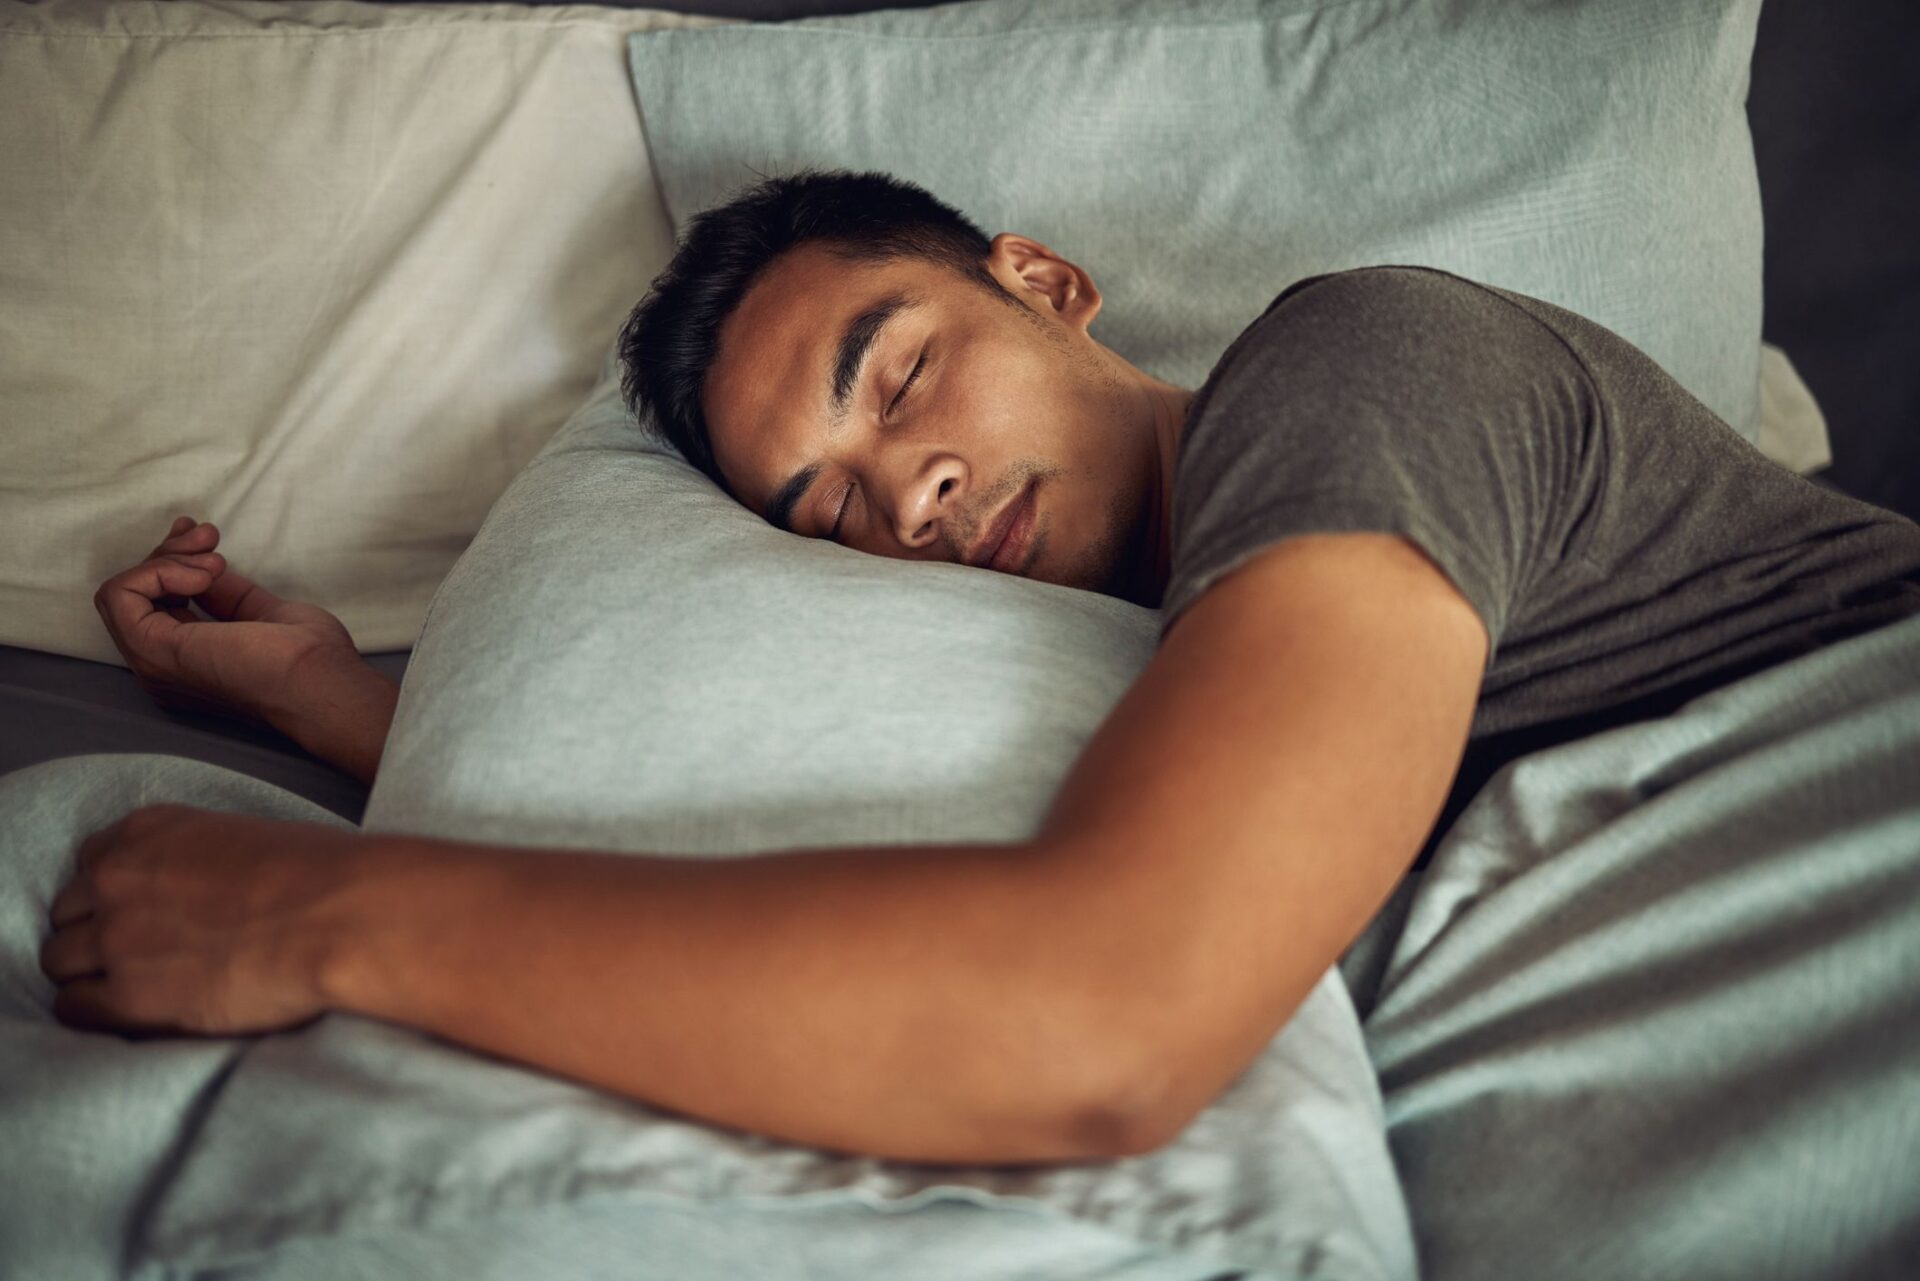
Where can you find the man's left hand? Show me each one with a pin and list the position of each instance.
(190, 921)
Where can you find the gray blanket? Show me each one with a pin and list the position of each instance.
(1652, 1011)
(1655, 1010)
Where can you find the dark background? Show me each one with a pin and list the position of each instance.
(1835, 110)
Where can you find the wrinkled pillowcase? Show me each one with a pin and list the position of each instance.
(1197, 159)
(327, 274)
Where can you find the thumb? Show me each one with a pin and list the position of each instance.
(128, 602)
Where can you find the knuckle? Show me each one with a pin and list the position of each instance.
(120, 994)
(112, 877)
(113, 936)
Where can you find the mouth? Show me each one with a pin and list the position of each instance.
(1006, 539)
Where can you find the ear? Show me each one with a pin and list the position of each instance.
(1044, 280)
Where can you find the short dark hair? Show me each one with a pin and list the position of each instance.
(670, 339)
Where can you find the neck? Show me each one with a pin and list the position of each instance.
(1168, 406)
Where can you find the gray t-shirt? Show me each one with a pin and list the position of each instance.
(1624, 546)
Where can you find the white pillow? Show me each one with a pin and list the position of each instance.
(326, 274)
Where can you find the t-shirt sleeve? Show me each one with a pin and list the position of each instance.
(1394, 399)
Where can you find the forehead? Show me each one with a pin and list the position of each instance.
(766, 394)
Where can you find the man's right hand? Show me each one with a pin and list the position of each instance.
(243, 662)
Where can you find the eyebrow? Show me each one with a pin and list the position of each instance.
(849, 362)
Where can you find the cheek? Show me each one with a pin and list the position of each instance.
(1016, 407)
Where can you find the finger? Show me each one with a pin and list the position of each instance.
(233, 596)
(108, 1003)
(74, 902)
(72, 952)
(187, 535)
(128, 600)
(96, 844)
(180, 606)
(212, 562)
(87, 1003)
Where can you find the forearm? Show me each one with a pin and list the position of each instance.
(916, 1003)
(340, 709)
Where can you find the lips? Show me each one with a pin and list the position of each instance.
(996, 534)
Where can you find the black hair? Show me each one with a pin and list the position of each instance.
(669, 341)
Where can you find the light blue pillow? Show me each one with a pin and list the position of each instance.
(626, 659)
(1197, 159)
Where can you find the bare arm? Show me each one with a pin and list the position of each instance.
(916, 1003)
(1226, 834)
(340, 708)
(1263, 786)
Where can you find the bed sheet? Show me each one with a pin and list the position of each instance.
(111, 1150)
(53, 706)
(1653, 1010)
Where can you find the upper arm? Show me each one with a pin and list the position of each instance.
(1253, 799)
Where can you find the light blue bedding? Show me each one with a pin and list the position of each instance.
(1654, 1011)
(99, 1135)
(1196, 159)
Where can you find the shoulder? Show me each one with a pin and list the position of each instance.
(1385, 296)
(1393, 285)
(1383, 325)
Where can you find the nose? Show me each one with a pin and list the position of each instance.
(931, 503)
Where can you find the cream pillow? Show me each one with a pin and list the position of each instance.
(327, 274)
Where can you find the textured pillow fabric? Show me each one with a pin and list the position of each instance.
(327, 274)
(697, 681)
(625, 659)
(1197, 159)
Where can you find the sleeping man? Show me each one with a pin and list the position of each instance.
(1409, 527)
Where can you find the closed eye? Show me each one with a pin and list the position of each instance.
(909, 382)
(893, 404)
(841, 514)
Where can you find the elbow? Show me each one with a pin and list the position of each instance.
(1138, 1106)
(1113, 1134)
(1153, 1090)
(1124, 1124)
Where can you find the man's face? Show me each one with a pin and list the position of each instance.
(999, 403)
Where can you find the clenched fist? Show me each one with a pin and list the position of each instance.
(183, 920)
(241, 662)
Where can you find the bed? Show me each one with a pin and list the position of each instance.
(1606, 1110)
